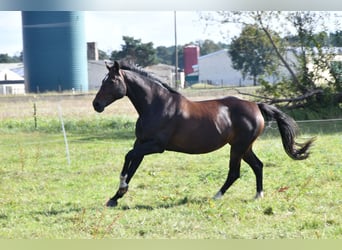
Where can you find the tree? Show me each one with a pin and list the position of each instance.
(301, 86)
(309, 49)
(336, 72)
(180, 56)
(5, 58)
(103, 55)
(136, 52)
(336, 39)
(164, 54)
(259, 18)
(252, 52)
(208, 46)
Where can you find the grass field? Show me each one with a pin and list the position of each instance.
(170, 195)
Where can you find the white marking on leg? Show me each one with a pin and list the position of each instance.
(259, 195)
(123, 182)
(218, 195)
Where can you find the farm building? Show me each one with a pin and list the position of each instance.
(96, 72)
(166, 73)
(11, 80)
(216, 68)
(12, 77)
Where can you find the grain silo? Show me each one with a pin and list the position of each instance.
(191, 55)
(55, 51)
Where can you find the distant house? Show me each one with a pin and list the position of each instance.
(11, 82)
(97, 71)
(166, 73)
(12, 77)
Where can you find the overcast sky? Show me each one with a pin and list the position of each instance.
(107, 29)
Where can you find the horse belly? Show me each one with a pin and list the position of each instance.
(198, 140)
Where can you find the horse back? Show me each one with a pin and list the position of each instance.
(205, 126)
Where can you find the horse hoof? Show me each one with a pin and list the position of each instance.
(218, 195)
(259, 195)
(111, 203)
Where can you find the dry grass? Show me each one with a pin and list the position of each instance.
(81, 105)
(47, 106)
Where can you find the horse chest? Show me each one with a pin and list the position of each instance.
(152, 127)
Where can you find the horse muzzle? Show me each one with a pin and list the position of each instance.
(99, 107)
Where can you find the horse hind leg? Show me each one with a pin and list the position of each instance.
(252, 160)
(233, 173)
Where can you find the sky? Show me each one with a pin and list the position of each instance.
(107, 29)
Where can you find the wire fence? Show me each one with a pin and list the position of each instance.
(311, 127)
(36, 139)
(40, 114)
(307, 128)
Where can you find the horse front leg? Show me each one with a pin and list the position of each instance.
(129, 168)
(132, 161)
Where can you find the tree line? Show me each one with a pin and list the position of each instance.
(144, 54)
(5, 58)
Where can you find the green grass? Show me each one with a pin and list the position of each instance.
(170, 195)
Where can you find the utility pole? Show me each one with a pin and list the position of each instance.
(176, 51)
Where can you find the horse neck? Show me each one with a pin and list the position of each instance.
(142, 91)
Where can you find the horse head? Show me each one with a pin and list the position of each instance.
(113, 88)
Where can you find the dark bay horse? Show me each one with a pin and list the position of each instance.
(169, 121)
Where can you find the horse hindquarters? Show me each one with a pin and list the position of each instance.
(247, 125)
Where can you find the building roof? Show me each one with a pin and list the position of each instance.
(162, 71)
(213, 54)
(9, 75)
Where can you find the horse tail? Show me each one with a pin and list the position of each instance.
(287, 128)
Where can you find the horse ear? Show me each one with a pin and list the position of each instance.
(107, 66)
(116, 66)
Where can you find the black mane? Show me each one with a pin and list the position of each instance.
(130, 67)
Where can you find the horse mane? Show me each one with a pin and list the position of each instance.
(126, 66)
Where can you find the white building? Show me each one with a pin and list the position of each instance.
(217, 68)
(11, 83)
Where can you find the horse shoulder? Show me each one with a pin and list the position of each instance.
(158, 123)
